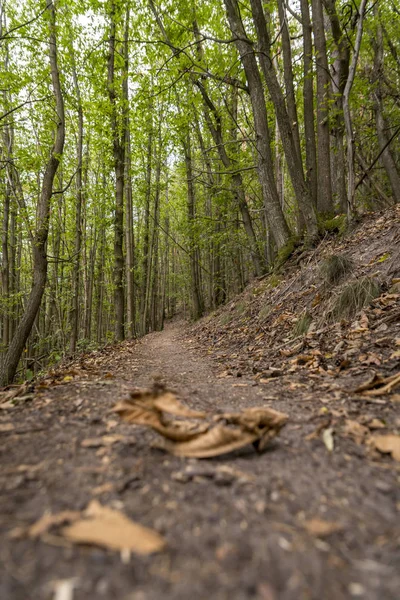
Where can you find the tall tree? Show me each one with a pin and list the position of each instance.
(324, 195)
(119, 137)
(274, 214)
(43, 214)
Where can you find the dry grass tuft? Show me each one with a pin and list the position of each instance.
(353, 298)
(335, 267)
(302, 324)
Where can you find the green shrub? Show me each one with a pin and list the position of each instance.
(337, 224)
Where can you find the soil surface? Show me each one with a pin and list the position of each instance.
(296, 522)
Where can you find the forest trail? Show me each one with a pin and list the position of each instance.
(294, 522)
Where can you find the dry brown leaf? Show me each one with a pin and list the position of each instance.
(109, 528)
(64, 589)
(145, 407)
(356, 430)
(327, 438)
(188, 438)
(376, 424)
(105, 440)
(216, 441)
(387, 444)
(47, 521)
(321, 528)
(377, 386)
(5, 427)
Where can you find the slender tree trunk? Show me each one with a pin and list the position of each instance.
(146, 238)
(308, 104)
(215, 129)
(289, 134)
(197, 299)
(119, 169)
(339, 74)
(43, 214)
(324, 196)
(347, 115)
(5, 270)
(274, 213)
(288, 75)
(74, 314)
(387, 157)
(129, 232)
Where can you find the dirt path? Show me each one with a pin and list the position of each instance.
(231, 535)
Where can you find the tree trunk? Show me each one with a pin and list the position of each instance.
(237, 181)
(197, 299)
(43, 214)
(288, 137)
(324, 196)
(119, 169)
(146, 237)
(74, 314)
(274, 213)
(308, 104)
(129, 232)
(339, 74)
(347, 116)
(387, 157)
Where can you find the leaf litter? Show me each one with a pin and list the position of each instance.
(188, 437)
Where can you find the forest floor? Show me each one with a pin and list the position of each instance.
(315, 516)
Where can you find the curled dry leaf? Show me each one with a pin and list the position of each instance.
(215, 441)
(204, 440)
(377, 385)
(387, 444)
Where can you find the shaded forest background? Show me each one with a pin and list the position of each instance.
(155, 157)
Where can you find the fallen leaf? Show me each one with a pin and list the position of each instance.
(45, 523)
(4, 427)
(356, 430)
(105, 440)
(109, 528)
(377, 385)
(327, 438)
(321, 528)
(64, 589)
(7, 405)
(387, 444)
(216, 441)
(186, 438)
(376, 424)
(103, 489)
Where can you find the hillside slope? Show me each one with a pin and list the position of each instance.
(333, 312)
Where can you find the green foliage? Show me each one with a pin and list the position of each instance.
(336, 224)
